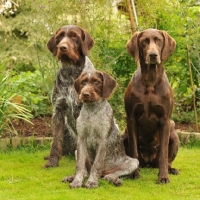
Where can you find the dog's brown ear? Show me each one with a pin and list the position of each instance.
(77, 85)
(52, 44)
(109, 84)
(169, 45)
(88, 42)
(132, 46)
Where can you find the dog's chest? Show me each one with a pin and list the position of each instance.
(94, 126)
(65, 84)
(149, 104)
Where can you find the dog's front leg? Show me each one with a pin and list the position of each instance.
(163, 159)
(58, 124)
(97, 167)
(80, 164)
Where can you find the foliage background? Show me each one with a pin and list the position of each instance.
(24, 34)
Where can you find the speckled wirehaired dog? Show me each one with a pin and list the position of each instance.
(100, 150)
(70, 44)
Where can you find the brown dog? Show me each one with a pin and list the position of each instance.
(71, 45)
(150, 135)
(100, 147)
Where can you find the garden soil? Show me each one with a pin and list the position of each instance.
(41, 127)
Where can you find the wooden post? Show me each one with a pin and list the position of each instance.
(129, 8)
(193, 93)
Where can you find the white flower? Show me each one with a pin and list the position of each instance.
(8, 4)
(11, 12)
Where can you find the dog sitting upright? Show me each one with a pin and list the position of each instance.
(70, 44)
(100, 150)
(150, 135)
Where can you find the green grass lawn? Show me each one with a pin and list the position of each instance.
(22, 177)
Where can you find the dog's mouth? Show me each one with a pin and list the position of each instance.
(65, 59)
(88, 101)
(88, 98)
(68, 56)
(154, 60)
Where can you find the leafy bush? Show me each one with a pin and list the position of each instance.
(10, 102)
(23, 38)
(30, 86)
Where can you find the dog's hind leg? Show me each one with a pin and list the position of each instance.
(58, 123)
(173, 148)
(127, 168)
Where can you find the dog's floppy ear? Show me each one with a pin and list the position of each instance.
(77, 85)
(109, 84)
(88, 42)
(52, 44)
(169, 45)
(132, 46)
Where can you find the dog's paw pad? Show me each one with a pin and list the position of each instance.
(75, 184)
(49, 164)
(173, 171)
(91, 184)
(68, 179)
(163, 181)
(118, 182)
(113, 179)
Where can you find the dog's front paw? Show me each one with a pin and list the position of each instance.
(163, 180)
(68, 179)
(76, 184)
(91, 184)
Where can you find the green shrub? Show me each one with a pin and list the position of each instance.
(23, 38)
(30, 86)
(10, 102)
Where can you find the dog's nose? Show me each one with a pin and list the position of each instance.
(63, 47)
(86, 94)
(153, 55)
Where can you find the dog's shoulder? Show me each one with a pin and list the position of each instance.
(88, 65)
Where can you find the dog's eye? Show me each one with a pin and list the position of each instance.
(83, 82)
(96, 82)
(59, 37)
(73, 35)
(157, 39)
(145, 41)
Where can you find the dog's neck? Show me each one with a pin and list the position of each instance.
(68, 72)
(66, 61)
(94, 107)
(151, 74)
